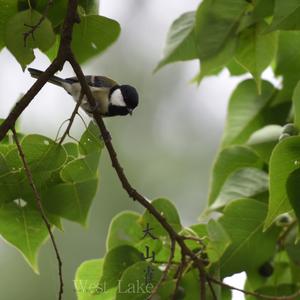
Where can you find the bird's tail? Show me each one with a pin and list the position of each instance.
(54, 79)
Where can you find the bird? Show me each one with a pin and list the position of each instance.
(111, 98)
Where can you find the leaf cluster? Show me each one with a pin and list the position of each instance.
(26, 25)
(66, 177)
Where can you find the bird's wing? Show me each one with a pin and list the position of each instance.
(95, 81)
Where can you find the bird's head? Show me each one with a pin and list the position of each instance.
(123, 100)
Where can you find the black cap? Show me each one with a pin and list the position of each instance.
(130, 95)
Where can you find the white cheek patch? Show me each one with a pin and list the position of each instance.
(117, 99)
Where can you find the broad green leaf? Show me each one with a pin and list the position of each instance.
(296, 104)
(116, 261)
(81, 169)
(243, 183)
(90, 140)
(218, 242)
(133, 285)
(56, 11)
(71, 149)
(263, 9)
(91, 7)
(277, 291)
(87, 284)
(284, 160)
(53, 50)
(7, 9)
(16, 27)
(180, 44)
(216, 22)
(43, 153)
(24, 228)
(256, 50)
(243, 253)
(264, 140)
(228, 161)
(71, 200)
(168, 211)
(286, 15)
(246, 111)
(93, 35)
(235, 69)
(288, 60)
(124, 229)
(292, 187)
(214, 65)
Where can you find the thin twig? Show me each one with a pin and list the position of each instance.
(202, 277)
(41, 209)
(33, 28)
(257, 295)
(166, 270)
(71, 120)
(179, 274)
(213, 294)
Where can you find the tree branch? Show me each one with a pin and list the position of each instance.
(41, 210)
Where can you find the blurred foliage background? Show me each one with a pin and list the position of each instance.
(166, 148)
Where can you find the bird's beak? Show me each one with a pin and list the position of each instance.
(130, 111)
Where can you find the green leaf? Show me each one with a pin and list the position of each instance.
(87, 284)
(218, 242)
(90, 140)
(124, 229)
(216, 22)
(286, 15)
(263, 9)
(24, 228)
(288, 60)
(43, 153)
(228, 161)
(284, 160)
(56, 11)
(255, 50)
(16, 27)
(235, 69)
(292, 186)
(71, 149)
(243, 253)
(133, 281)
(168, 211)
(81, 169)
(264, 140)
(71, 201)
(243, 183)
(213, 65)
(296, 104)
(246, 111)
(91, 7)
(180, 44)
(116, 261)
(277, 291)
(7, 9)
(93, 35)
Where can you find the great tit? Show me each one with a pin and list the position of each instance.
(111, 98)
